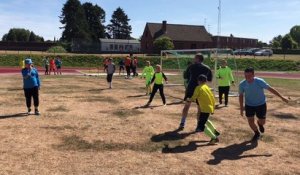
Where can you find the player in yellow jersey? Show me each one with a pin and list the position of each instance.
(158, 79)
(148, 73)
(206, 101)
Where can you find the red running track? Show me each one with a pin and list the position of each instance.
(283, 75)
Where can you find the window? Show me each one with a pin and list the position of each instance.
(111, 47)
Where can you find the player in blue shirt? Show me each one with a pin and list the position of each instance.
(252, 88)
(31, 85)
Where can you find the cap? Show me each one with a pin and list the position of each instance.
(28, 61)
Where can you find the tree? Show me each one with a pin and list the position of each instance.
(4, 37)
(295, 33)
(20, 34)
(275, 44)
(74, 21)
(287, 42)
(163, 43)
(32, 37)
(95, 17)
(261, 44)
(119, 27)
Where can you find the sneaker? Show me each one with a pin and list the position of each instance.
(261, 128)
(28, 111)
(198, 130)
(256, 136)
(147, 105)
(217, 133)
(213, 141)
(165, 104)
(37, 112)
(181, 126)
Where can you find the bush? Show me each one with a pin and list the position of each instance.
(56, 49)
(292, 51)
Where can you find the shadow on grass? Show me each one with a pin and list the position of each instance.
(170, 135)
(234, 152)
(176, 103)
(136, 96)
(192, 146)
(13, 115)
(146, 106)
(76, 143)
(286, 116)
(127, 113)
(219, 106)
(97, 90)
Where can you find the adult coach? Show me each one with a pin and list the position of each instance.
(255, 100)
(192, 74)
(31, 86)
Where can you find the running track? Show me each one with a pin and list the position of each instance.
(76, 71)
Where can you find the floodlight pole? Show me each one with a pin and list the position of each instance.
(218, 42)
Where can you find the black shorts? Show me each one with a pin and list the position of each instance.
(260, 111)
(190, 91)
(121, 68)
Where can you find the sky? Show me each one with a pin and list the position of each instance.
(260, 19)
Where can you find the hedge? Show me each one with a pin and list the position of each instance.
(170, 63)
(280, 51)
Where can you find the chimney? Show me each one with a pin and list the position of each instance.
(164, 26)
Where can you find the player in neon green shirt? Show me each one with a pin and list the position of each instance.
(148, 73)
(158, 79)
(225, 78)
(206, 101)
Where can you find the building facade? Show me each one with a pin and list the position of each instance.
(190, 37)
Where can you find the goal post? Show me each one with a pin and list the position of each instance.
(176, 62)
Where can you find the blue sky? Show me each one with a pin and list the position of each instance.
(261, 19)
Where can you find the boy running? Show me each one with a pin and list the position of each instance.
(110, 69)
(255, 100)
(158, 84)
(31, 86)
(206, 102)
(148, 72)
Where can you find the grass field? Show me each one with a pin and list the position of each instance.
(85, 128)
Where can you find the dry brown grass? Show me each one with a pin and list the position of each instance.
(85, 128)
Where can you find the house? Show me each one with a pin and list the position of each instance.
(183, 36)
(190, 37)
(120, 45)
(234, 42)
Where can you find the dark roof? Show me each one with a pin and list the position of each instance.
(179, 32)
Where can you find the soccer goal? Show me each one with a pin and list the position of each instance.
(175, 62)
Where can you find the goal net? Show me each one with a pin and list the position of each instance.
(175, 62)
